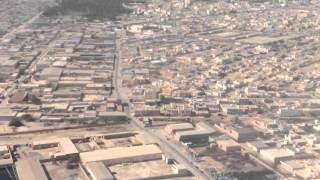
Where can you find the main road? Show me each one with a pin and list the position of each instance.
(167, 147)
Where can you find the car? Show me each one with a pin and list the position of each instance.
(17, 155)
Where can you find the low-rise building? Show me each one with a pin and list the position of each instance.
(122, 154)
(275, 155)
(5, 156)
(228, 145)
(30, 169)
(99, 171)
(240, 134)
(257, 146)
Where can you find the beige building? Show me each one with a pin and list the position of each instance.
(187, 133)
(228, 145)
(122, 154)
(29, 169)
(239, 134)
(64, 146)
(302, 168)
(99, 171)
(256, 146)
(173, 128)
(275, 155)
(5, 156)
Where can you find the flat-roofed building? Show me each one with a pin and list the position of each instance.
(292, 165)
(290, 112)
(180, 169)
(65, 146)
(244, 134)
(51, 74)
(6, 114)
(18, 97)
(11, 64)
(228, 145)
(239, 134)
(99, 171)
(57, 107)
(230, 109)
(173, 128)
(205, 126)
(256, 146)
(147, 111)
(68, 93)
(4, 58)
(302, 168)
(122, 154)
(187, 133)
(5, 156)
(73, 83)
(96, 86)
(275, 155)
(30, 169)
(193, 136)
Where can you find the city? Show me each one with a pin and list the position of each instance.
(160, 89)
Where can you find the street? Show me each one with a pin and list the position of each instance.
(167, 147)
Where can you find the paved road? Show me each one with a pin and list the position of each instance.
(167, 147)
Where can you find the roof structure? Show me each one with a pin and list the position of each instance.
(28, 169)
(122, 154)
(99, 171)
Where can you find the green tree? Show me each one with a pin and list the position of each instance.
(15, 122)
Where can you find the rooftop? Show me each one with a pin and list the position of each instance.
(119, 153)
(30, 169)
(99, 171)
